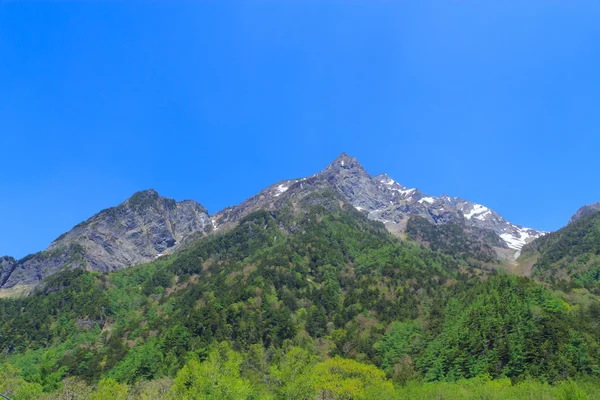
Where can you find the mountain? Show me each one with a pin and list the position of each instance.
(308, 300)
(384, 200)
(148, 225)
(585, 210)
(302, 292)
(137, 231)
(571, 254)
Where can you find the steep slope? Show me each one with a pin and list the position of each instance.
(470, 243)
(7, 265)
(137, 231)
(585, 210)
(569, 254)
(385, 200)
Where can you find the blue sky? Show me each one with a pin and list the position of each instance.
(496, 102)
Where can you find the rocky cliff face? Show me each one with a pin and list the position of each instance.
(7, 265)
(385, 200)
(142, 228)
(584, 211)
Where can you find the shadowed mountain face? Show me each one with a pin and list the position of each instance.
(142, 228)
(469, 242)
(148, 225)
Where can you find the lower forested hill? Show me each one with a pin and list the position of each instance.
(311, 301)
(571, 254)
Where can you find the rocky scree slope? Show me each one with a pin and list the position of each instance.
(137, 231)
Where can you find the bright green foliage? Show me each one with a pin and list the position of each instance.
(216, 378)
(293, 377)
(109, 389)
(500, 389)
(12, 384)
(339, 378)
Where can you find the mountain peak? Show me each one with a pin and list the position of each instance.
(148, 193)
(148, 198)
(383, 178)
(344, 162)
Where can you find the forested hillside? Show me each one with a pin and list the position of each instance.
(571, 255)
(311, 301)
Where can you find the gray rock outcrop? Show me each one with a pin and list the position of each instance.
(7, 265)
(137, 231)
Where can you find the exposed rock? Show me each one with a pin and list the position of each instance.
(585, 210)
(385, 200)
(7, 265)
(137, 231)
(85, 323)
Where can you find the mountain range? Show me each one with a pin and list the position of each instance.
(148, 225)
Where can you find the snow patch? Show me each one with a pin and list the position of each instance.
(429, 200)
(520, 237)
(477, 209)
(481, 217)
(405, 191)
(281, 189)
(513, 241)
(388, 181)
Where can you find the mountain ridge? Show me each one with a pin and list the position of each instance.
(143, 227)
(387, 201)
(148, 225)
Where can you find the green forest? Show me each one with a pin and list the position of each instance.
(313, 301)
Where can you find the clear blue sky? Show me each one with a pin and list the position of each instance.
(497, 102)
